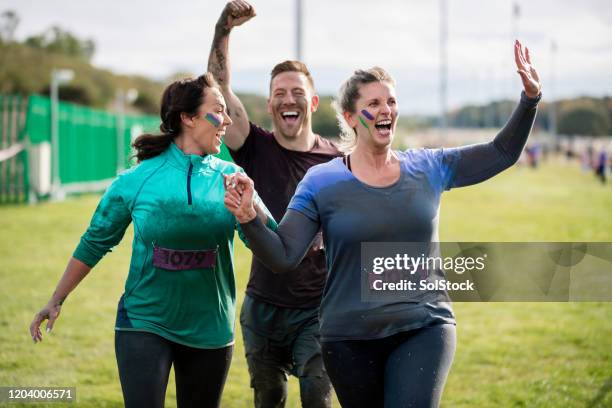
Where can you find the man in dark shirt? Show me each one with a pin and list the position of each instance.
(279, 316)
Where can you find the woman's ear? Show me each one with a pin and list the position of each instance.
(350, 119)
(187, 120)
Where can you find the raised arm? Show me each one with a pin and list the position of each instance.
(235, 13)
(472, 164)
(281, 250)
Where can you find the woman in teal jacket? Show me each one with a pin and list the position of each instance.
(178, 307)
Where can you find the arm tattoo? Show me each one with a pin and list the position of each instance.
(217, 63)
(218, 67)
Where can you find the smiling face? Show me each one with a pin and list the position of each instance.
(209, 124)
(291, 104)
(375, 116)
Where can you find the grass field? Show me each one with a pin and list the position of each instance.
(508, 354)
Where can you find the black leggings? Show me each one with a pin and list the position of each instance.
(408, 369)
(144, 361)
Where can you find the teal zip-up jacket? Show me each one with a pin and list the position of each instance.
(175, 202)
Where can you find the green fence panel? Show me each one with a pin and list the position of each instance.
(13, 160)
(87, 144)
(38, 124)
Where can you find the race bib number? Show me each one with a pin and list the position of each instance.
(180, 260)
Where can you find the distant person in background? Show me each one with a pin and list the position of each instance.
(570, 153)
(394, 353)
(533, 155)
(601, 166)
(280, 314)
(545, 152)
(588, 159)
(178, 307)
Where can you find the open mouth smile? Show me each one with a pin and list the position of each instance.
(290, 117)
(383, 127)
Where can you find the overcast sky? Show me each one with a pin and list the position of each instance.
(158, 38)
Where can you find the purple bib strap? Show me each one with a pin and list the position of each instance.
(181, 260)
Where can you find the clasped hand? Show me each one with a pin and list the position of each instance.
(239, 197)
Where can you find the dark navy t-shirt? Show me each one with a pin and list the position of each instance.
(351, 212)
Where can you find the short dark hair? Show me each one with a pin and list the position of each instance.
(291, 66)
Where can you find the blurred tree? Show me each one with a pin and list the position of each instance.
(324, 120)
(60, 41)
(585, 121)
(72, 93)
(607, 101)
(494, 114)
(469, 116)
(409, 123)
(25, 69)
(146, 103)
(257, 109)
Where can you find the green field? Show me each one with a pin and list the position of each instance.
(508, 354)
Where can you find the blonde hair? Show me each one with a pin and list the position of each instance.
(348, 95)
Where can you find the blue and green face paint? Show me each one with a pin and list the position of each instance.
(365, 125)
(367, 115)
(215, 120)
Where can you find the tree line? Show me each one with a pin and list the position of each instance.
(586, 116)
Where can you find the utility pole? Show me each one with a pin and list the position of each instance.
(299, 30)
(553, 103)
(511, 83)
(516, 14)
(443, 65)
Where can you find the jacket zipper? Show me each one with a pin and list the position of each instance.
(189, 183)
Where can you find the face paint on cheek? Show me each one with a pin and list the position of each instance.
(367, 114)
(363, 122)
(215, 120)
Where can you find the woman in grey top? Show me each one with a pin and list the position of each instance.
(394, 353)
